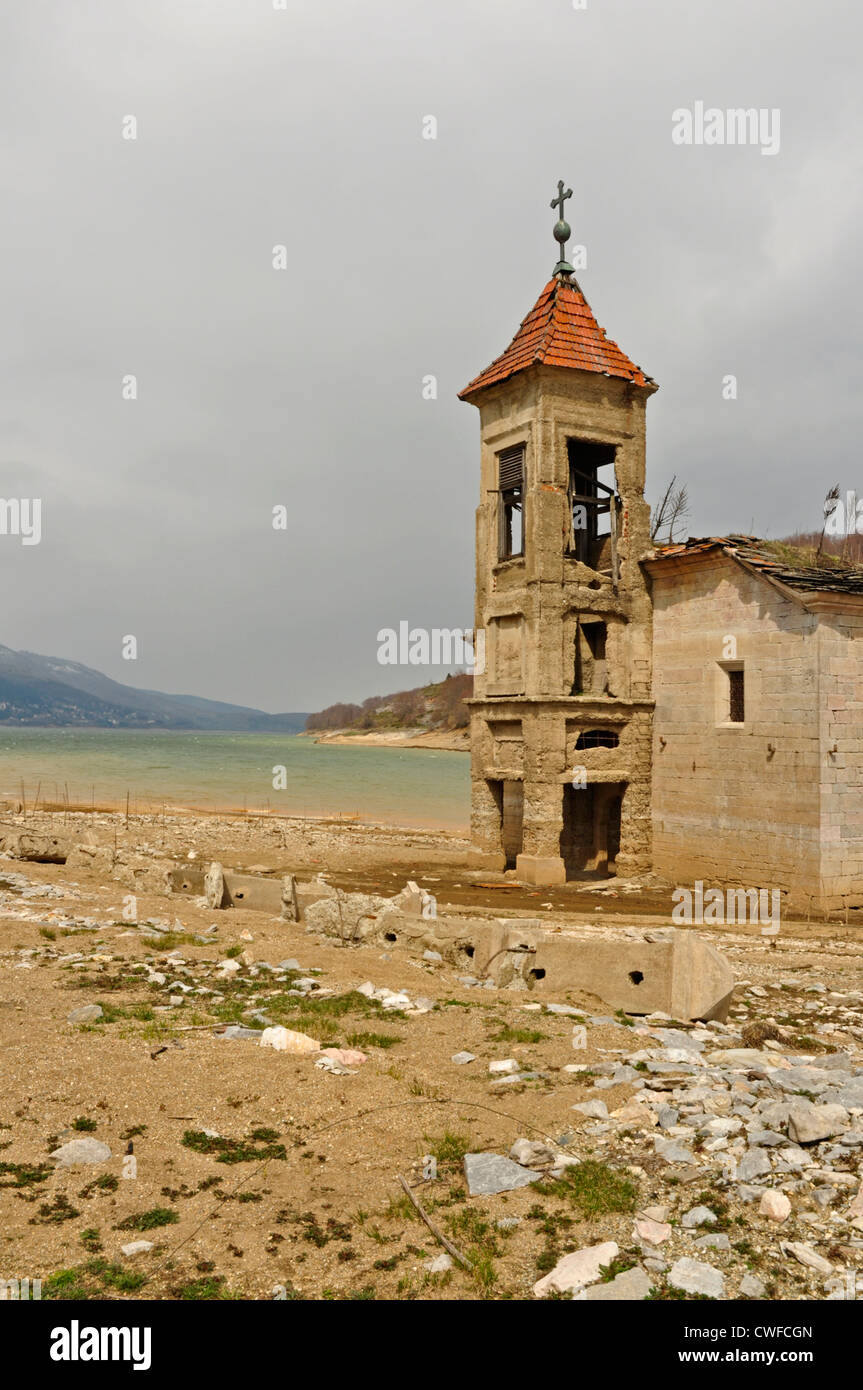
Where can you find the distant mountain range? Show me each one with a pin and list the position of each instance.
(46, 690)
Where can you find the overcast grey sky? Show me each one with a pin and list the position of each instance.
(303, 127)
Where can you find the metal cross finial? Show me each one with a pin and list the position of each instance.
(562, 229)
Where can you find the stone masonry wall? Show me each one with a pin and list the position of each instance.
(735, 804)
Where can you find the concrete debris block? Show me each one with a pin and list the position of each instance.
(348, 916)
(809, 1123)
(681, 974)
(228, 967)
(577, 1269)
(487, 1174)
(97, 859)
(38, 849)
(752, 1287)
(414, 901)
(462, 1059)
(532, 1153)
(630, 1286)
(88, 1013)
(652, 1232)
(693, 1276)
(286, 1040)
(137, 1247)
(698, 1216)
(236, 1031)
(434, 956)
(290, 908)
(856, 1207)
(805, 1255)
(508, 1066)
(214, 886)
(81, 1151)
(774, 1205)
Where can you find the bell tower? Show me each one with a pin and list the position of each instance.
(561, 715)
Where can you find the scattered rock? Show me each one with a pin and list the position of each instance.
(809, 1124)
(633, 1284)
(805, 1255)
(508, 1067)
(692, 1276)
(698, 1216)
(489, 1173)
(81, 1151)
(286, 1040)
(577, 1269)
(88, 1013)
(532, 1153)
(774, 1205)
(594, 1109)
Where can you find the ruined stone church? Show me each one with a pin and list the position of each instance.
(690, 709)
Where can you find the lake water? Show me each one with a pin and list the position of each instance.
(407, 786)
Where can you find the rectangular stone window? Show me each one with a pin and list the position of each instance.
(736, 700)
(511, 502)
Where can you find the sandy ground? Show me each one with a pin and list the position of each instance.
(314, 1209)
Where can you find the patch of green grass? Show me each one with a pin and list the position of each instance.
(91, 1240)
(84, 1124)
(148, 1220)
(168, 941)
(477, 1239)
(319, 1235)
(623, 1017)
(619, 1265)
(234, 951)
(25, 1174)
(383, 1040)
(232, 1150)
(594, 1188)
(107, 1182)
(64, 1285)
(115, 1276)
(518, 1035)
(48, 934)
(52, 1213)
(449, 1149)
(209, 1289)
(401, 1209)
(133, 1132)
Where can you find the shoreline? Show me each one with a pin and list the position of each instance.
(10, 805)
(447, 741)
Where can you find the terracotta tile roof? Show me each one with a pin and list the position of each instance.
(757, 554)
(559, 331)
